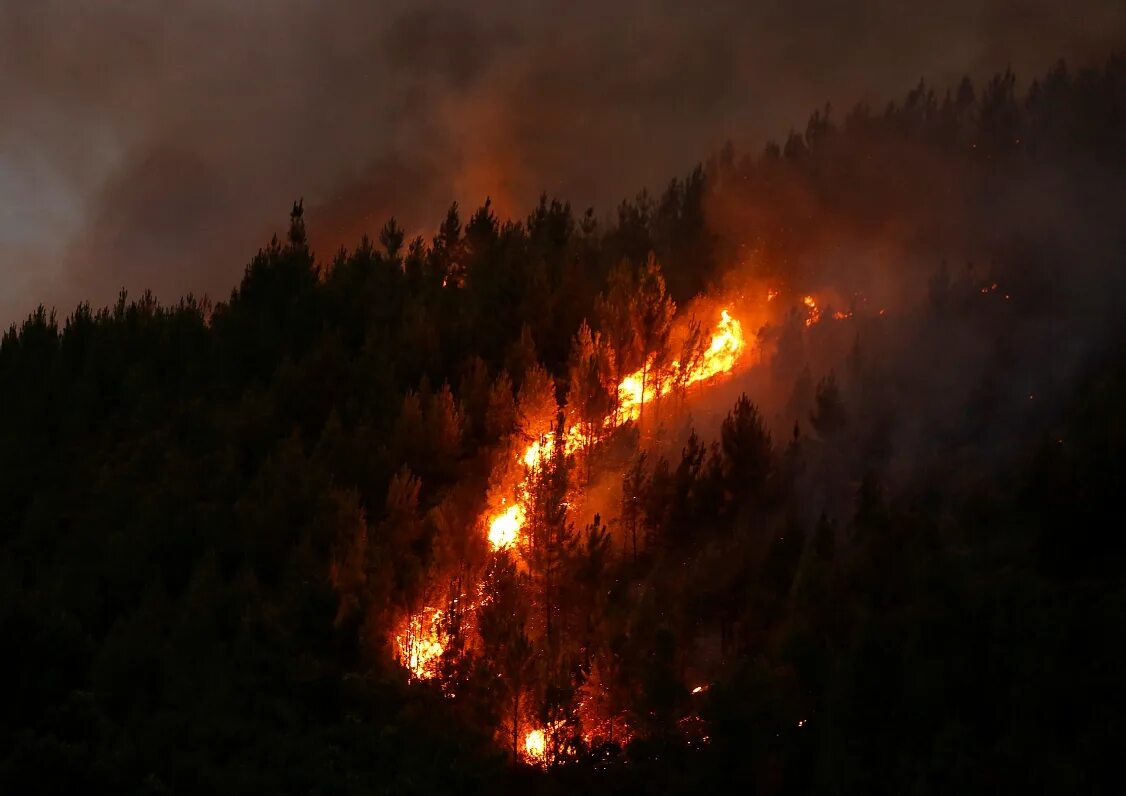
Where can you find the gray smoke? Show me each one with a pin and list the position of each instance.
(158, 144)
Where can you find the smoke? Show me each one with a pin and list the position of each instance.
(157, 145)
(978, 295)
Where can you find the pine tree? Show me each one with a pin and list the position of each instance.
(443, 432)
(692, 349)
(684, 511)
(828, 416)
(747, 449)
(503, 627)
(447, 259)
(536, 405)
(391, 238)
(616, 310)
(589, 570)
(522, 356)
(550, 539)
(402, 528)
(500, 418)
(408, 435)
(473, 398)
(588, 400)
(655, 311)
(657, 502)
(634, 487)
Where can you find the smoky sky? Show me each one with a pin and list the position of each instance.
(157, 145)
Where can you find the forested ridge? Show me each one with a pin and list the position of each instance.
(896, 567)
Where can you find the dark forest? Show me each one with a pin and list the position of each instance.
(799, 475)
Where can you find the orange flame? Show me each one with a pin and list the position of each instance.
(813, 312)
(535, 747)
(505, 527)
(727, 345)
(420, 642)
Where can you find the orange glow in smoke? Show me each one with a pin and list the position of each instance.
(636, 390)
(813, 312)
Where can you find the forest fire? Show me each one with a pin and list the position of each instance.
(635, 391)
(726, 346)
(762, 483)
(420, 643)
(543, 745)
(813, 312)
(535, 746)
(505, 527)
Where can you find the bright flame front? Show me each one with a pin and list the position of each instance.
(634, 391)
(421, 641)
(535, 746)
(504, 528)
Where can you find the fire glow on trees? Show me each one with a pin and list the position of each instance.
(420, 640)
(813, 312)
(727, 345)
(535, 746)
(540, 744)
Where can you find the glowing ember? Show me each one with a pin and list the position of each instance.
(813, 312)
(727, 345)
(536, 744)
(771, 294)
(505, 527)
(535, 747)
(420, 643)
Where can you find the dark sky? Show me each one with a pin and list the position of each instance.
(159, 144)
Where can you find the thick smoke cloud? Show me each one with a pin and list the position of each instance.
(157, 145)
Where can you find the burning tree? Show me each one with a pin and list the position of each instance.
(616, 310)
(508, 651)
(588, 399)
(550, 536)
(655, 311)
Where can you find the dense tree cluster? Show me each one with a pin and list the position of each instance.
(214, 515)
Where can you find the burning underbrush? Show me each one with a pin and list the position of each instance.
(561, 513)
(598, 499)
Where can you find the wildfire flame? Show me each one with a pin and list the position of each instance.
(813, 312)
(505, 527)
(421, 638)
(535, 746)
(420, 642)
(536, 749)
(635, 390)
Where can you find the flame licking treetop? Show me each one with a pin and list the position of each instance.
(421, 639)
(635, 390)
(420, 643)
